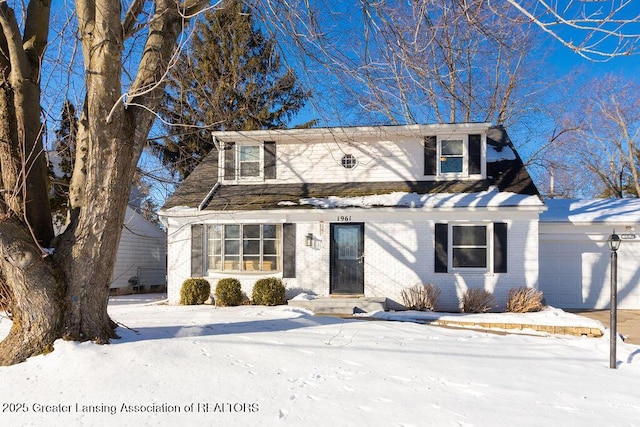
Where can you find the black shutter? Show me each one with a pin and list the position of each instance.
(230, 160)
(475, 154)
(197, 260)
(289, 251)
(500, 247)
(269, 160)
(430, 152)
(441, 248)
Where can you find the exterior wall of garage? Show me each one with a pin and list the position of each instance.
(574, 263)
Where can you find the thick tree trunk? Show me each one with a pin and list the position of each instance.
(66, 294)
(37, 295)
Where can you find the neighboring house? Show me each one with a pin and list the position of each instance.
(575, 258)
(141, 258)
(359, 211)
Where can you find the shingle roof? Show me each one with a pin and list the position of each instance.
(506, 172)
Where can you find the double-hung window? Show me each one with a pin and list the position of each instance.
(243, 247)
(469, 246)
(454, 156)
(473, 247)
(249, 161)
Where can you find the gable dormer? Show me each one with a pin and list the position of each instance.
(440, 152)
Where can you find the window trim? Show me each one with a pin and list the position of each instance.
(241, 261)
(237, 166)
(488, 268)
(465, 155)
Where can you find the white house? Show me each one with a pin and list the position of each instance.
(141, 258)
(575, 258)
(359, 211)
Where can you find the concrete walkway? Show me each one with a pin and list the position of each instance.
(628, 322)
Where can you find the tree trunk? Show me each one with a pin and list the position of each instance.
(37, 294)
(65, 295)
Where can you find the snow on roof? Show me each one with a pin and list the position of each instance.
(490, 198)
(591, 210)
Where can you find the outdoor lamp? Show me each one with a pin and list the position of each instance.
(614, 242)
(310, 239)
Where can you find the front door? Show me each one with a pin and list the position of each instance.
(347, 258)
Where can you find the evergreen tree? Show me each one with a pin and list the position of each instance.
(229, 78)
(61, 162)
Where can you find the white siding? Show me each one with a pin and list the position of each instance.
(383, 154)
(178, 256)
(142, 250)
(321, 162)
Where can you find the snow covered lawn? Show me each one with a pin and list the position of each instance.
(240, 366)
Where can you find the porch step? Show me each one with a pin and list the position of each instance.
(341, 306)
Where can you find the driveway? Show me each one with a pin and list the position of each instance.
(628, 322)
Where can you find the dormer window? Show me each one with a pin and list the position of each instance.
(249, 161)
(453, 156)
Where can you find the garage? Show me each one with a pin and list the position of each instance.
(574, 258)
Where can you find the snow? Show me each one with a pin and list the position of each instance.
(592, 210)
(548, 317)
(490, 198)
(270, 366)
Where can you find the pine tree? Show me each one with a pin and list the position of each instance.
(229, 78)
(61, 162)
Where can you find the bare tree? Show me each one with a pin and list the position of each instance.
(599, 145)
(597, 30)
(405, 62)
(59, 288)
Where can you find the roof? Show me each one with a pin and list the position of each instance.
(592, 211)
(505, 173)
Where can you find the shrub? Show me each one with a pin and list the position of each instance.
(421, 297)
(477, 300)
(524, 300)
(228, 292)
(268, 291)
(194, 291)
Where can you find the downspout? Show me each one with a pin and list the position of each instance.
(208, 197)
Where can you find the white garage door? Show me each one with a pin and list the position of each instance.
(576, 273)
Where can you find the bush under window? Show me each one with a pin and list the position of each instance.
(268, 291)
(228, 292)
(194, 291)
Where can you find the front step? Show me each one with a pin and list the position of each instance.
(341, 306)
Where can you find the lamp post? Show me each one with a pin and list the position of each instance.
(614, 244)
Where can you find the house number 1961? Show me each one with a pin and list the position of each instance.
(344, 218)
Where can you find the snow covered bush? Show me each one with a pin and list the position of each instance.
(421, 297)
(194, 291)
(268, 291)
(228, 292)
(477, 300)
(524, 300)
